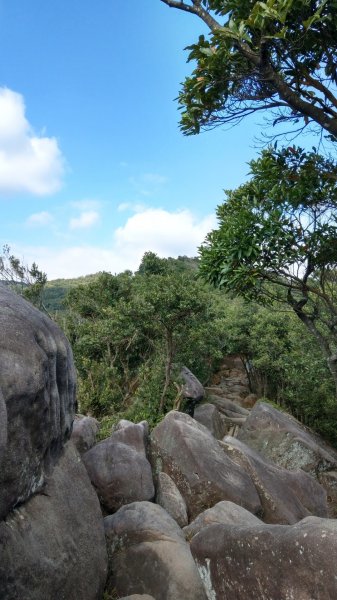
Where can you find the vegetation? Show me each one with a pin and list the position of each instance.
(132, 333)
(278, 57)
(27, 280)
(277, 241)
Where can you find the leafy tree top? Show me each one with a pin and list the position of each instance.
(277, 55)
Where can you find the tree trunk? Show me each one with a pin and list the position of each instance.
(168, 367)
(331, 358)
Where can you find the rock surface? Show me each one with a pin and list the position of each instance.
(37, 398)
(282, 439)
(53, 546)
(118, 468)
(269, 562)
(209, 416)
(148, 554)
(286, 496)
(204, 475)
(226, 513)
(169, 498)
(84, 433)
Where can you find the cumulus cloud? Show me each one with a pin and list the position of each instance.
(28, 163)
(85, 220)
(40, 219)
(166, 233)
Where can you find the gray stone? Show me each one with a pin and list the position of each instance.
(286, 496)
(169, 498)
(192, 387)
(269, 562)
(209, 416)
(53, 546)
(138, 597)
(37, 398)
(118, 468)
(148, 554)
(285, 441)
(226, 513)
(204, 475)
(84, 433)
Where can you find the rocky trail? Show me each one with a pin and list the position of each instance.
(236, 501)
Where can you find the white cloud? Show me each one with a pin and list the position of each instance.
(166, 233)
(87, 204)
(85, 220)
(40, 219)
(28, 162)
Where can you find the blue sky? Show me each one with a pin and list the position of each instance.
(93, 168)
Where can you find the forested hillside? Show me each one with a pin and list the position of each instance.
(131, 333)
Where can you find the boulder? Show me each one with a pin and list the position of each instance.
(228, 407)
(84, 433)
(118, 468)
(268, 562)
(286, 442)
(225, 513)
(148, 554)
(53, 546)
(169, 498)
(204, 475)
(192, 387)
(286, 496)
(209, 416)
(37, 398)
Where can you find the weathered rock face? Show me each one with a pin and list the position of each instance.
(204, 475)
(169, 498)
(140, 536)
(209, 416)
(283, 440)
(269, 562)
(192, 387)
(287, 443)
(286, 496)
(37, 398)
(53, 546)
(138, 597)
(119, 469)
(225, 513)
(84, 433)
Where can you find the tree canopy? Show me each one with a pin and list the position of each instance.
(277, 240)
(277, 56)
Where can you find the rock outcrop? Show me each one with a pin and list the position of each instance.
(37, 398)
(209, 416)
(119, 469)
(268, 562)
(85, 430)
(169, 498)
(204, 475)
(286, 496)
(52, 542)
(53, 545)
(149, 555)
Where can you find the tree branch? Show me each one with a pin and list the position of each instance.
(195, 9)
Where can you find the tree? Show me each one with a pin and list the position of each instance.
(29, 281)
(277, 241)
(277, 56)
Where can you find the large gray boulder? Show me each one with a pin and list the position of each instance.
(148, 554)
(204, 475)
(37, 398)
(286, 496)
(268, 562)
(53, 546)
(286, 442)
(85, 430)
(209, 416)
(119, 469)
(169, 498)
(226, 513)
